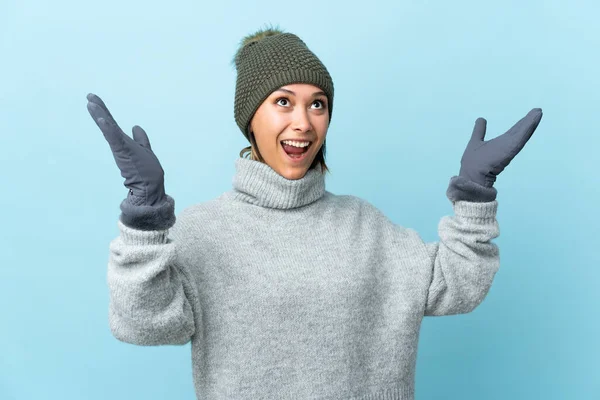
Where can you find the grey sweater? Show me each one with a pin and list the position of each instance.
(288, 291)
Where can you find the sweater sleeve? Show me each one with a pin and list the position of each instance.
(150, 294)
(465, 261)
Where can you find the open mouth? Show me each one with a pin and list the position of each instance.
(295, 153)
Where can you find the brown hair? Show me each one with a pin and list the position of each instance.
(255, 154)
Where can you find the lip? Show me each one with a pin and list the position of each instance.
(295, 160)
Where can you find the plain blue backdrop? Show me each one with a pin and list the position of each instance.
(410, 79)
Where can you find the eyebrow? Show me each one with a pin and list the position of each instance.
(289, 91)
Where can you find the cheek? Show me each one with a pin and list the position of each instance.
(323, 121)
(321, 129)
(277, 122)
(268, 140)
(272, 122)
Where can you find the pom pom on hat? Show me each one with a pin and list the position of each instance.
(255, 37)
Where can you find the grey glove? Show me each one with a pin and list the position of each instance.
(147, 206)
(482, 161)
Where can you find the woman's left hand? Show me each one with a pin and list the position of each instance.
(482, 161)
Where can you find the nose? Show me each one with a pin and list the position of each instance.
(301, 121)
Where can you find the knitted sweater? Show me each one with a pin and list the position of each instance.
(288, 291)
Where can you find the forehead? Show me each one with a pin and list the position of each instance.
(301, 88)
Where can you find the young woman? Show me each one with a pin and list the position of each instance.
(283, 288)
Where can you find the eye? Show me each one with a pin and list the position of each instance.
(320, 101)
(279, 99)
(286, 99)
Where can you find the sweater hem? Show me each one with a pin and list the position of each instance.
(136, 236)
(474, 210)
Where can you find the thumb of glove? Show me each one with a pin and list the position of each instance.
(479, 130)
(140, 136)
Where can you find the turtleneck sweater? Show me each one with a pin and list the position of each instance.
(288, 291)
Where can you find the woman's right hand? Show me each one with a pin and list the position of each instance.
(144, 176)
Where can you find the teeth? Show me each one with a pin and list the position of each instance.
(295, 144)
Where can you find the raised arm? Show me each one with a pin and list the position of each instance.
(465, 260)
(151, 295)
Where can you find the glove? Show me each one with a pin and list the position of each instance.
(147, 206)
(482, 161)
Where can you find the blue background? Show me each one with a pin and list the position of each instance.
(410, 79)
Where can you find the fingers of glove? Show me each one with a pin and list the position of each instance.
(532, 119)
(92, 98)
(140, 136)
(97, 111)
(514, 140)
(536, 116)
(138, 165)
(522, 131)
(131, 156)
(112, 134)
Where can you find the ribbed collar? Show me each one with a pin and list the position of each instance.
(257, 183)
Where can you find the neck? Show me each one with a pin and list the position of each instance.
(259, 184)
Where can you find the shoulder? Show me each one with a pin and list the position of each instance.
(373, 217)
(345, 200)
(203, 209)
(360, 210)
(203, 212)
(198, 222)
(356, 203)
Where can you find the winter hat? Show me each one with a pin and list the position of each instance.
(267, 60)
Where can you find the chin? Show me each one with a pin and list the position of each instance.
(290, 171)
(294, 174)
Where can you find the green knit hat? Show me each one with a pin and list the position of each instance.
(267, 60)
